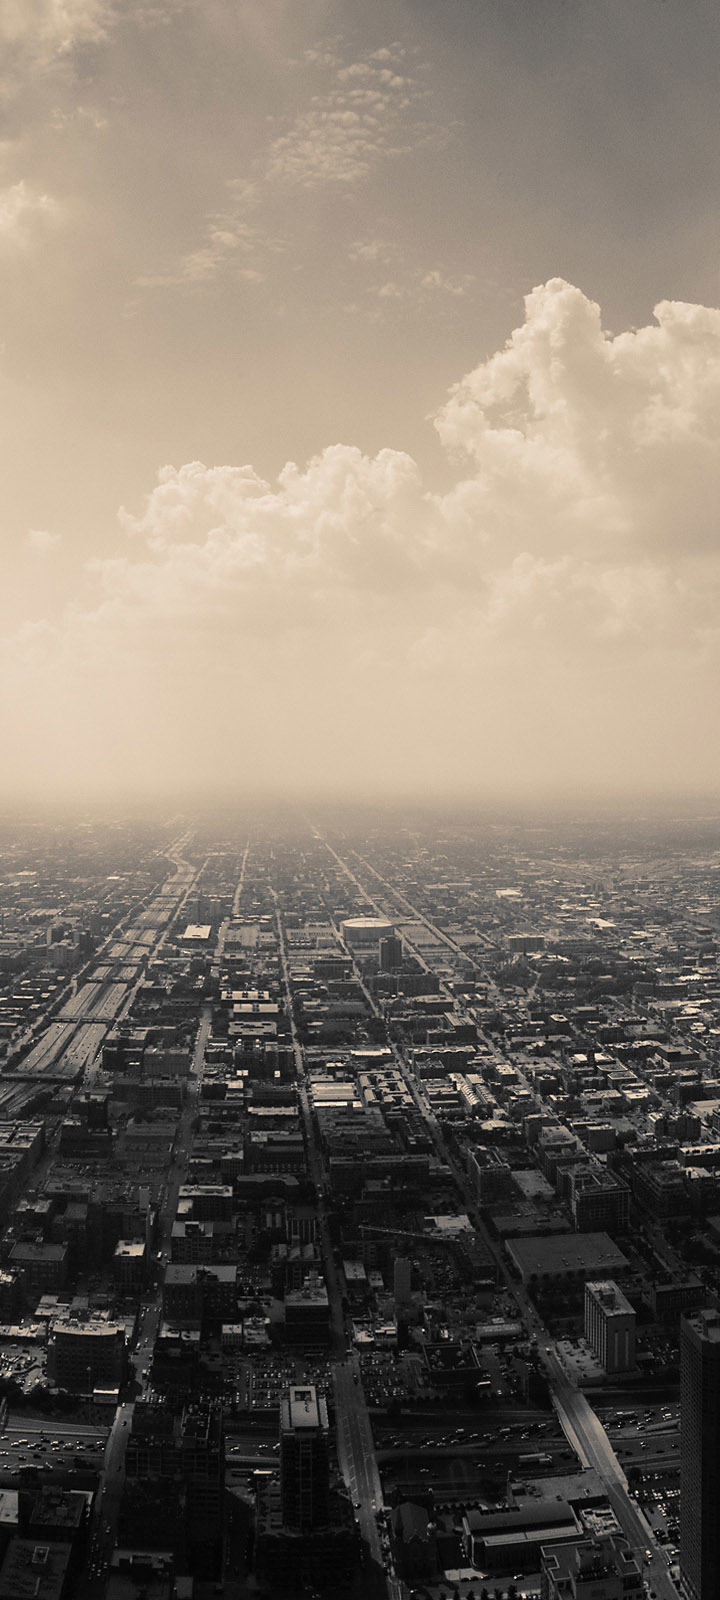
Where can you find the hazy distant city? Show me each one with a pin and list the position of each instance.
(360, 1182)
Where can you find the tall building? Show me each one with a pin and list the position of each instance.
(87, 1355)
(304, 1458)
(700, 1455)
(390, 952)
(203, 1472)
(610, 1326)
(174, 1484)
(402, 1280)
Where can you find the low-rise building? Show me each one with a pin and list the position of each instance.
(591, 1569)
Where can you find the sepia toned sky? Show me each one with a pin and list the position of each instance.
(360, 384)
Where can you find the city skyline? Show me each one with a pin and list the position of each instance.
(361, 371)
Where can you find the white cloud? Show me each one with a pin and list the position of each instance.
(21, 207)
(556, 606)
(395, 284)
(368, 112)
(235, 241)
(53, 26)
(42, 540)
(360, 115)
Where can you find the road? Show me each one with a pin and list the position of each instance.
(356, 1455)
(69, 1045)
(587, 1435)
(50, 1451)
(355, 1444)
(333, 1277)
(241, 882)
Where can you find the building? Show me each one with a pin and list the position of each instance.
(203, 1473)
(603, 1568)
(304, 1458)
(700, 1455)
(610, 1326)
(174, 1484)
(511, 1539)
(196, 1295)
(551, 1262)
(598, 1199)
(669, 1300)
(44, 1267)
(37, 1570)
(86, 1355)
(130, 1265)
(402, 1281)
(391, 953)
(307, 1314)
(414, 1542)
(365, 933)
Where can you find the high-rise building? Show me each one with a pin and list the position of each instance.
(610, 1326)
(304, 1458)
(700, 1455)
(402, 1280)
(390, 951)
(174, 1484)
(86, 1355)
(203, 1471)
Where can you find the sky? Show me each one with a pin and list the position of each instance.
(360, 378)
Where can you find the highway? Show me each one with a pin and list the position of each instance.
(48, 1049)
(50, 1446)
(65, 1047)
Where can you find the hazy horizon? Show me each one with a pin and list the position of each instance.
(361, 379)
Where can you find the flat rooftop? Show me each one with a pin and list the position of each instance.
(568, 1252)
(302, 1408)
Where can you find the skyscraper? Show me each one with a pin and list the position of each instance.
(304, 1458)
(610, 1326)
(173, 1497)
(700, 1455)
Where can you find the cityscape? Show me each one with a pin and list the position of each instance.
(360, 1185)
(359, 800)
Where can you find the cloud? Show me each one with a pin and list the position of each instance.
(370, 111)
(43, 28)
(42, 540)
(235, 241)
(21, 207)
(361, 114)
(396, 285)
(613, 440)
(554, 611)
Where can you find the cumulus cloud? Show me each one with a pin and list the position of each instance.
(554, 608)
